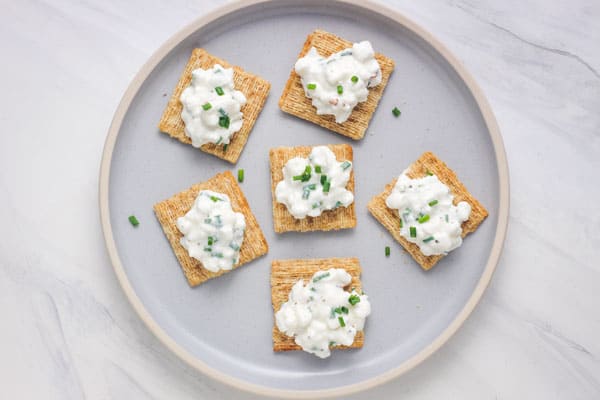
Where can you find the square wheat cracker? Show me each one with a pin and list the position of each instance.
(169, 210)
(390, 219)
(294, 101)
(283, 221)
(285, 273)
(254, 88)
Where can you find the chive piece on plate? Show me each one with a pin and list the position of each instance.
(413, 232)
(429, 239)
(241, 175)
(354, 299)
(423, 218)
(341, 321)
(210, 240)
(311, 86)
(322, 276)
(396, 112)
(354, 79)
(225, 146)
(224, 121)
(326, 186)
(433, 203)
(318, 169)
(340, 89)
(323, 179)
(387, 251)
(429, 173)
(345, 165)
(219, 91)
(133, 220)
(207, 106)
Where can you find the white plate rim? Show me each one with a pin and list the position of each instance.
(170, 343)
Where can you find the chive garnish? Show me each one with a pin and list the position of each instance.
(433, 203)
(396, 112)
(225, 147)
(400, 223)
(133, 220)
(341, 321)
(323, 179)
(429, 173)
(446, 217)
(207, 106)
(326, 186)
(318, 278)
(312, 186)
(219, 91)
(340, 89)
(210, 240)
(337, 204)
(208, 249)
(241, 175)
(413, 232)
(235, 247)
(316, 205)
(344, 309)
(311, 86)
(220, 139)
(331, 344)
(218, 255)
(305, 177)
(354, 79)
(423, 218)
(345, 165)
(306, 194)
(387, 251)
(354, 299)
(318, 169)
(224, 121)
(298, 177)
(215, 198)
(429, 239)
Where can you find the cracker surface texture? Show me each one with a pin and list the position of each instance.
(390, 219)
(167, 212)
(283, 221)
(294, 100)
(285, 273)
(254, 88)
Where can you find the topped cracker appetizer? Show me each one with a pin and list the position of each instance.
(214, 106)
(428, 210)
(336, 84)
(312, 188)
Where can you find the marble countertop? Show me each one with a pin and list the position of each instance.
(68, 331)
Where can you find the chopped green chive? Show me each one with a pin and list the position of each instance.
(241, 175)
(400, 223)
(225, 146)
(210, 240)
(133, 220)
(413, 232)
(224, 121)
(429, 173)
(316, 205)
(207, 106)
(354, 79)
(344, 309)
(354, 299)
(331, 344)
(429, 239)
(312, 186)
(318, 169)
(218, 255)
(306, 194)
(311, 86)
(423, 218)
(340, 89)
(305, 177)
(207, 220)
(387, 251)
(208, 249)
(433, 203)
(341, 321)
(323, 179)
(220, 139)
(215, 198)
(396, 112)
(318, 278)
(219, 91)
(235, 247)
(326, 186)
(446, 217)
(345, 165)
(337, 204)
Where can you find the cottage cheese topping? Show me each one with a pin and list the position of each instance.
(338, 83)
(321, 314)
(212, 232)
(314, 184)
(428, 216)
(211, 106)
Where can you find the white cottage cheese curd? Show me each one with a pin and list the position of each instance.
(314, 184)
(211, 106)
(427, 215)
(336, 84)
(321, 314)
(212, 232)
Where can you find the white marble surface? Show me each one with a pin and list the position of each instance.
(69, 333)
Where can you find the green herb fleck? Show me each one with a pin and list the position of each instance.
(345, 165)
(322, 276)
(219, 91)
(396, 112)
(342, 322)
(215, 198)
(225, 146)
(224, 121)
(423, 218)
(311, 86)
(446, 217)
(400, 223)
(210, 240)
(316, 205)
(354, 299)
(413, 232)
(318, 169)
(312, 186)
(206, 106)
(429, 173)
(387, 251)
(323, 179)
(354, 79)
(326, 186)
(429, 239)
(133, 220)
(306, 194)
(241, 175)
(433, 203)
(340, 89)
(331, 344)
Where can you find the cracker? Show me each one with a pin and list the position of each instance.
(285, 273)
(283, 221)
(169, 210)
(294, 100)
(390, 219)
(254, 88)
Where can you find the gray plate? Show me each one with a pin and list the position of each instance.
(223, 327)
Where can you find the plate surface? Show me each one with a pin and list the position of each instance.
(223, 327)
